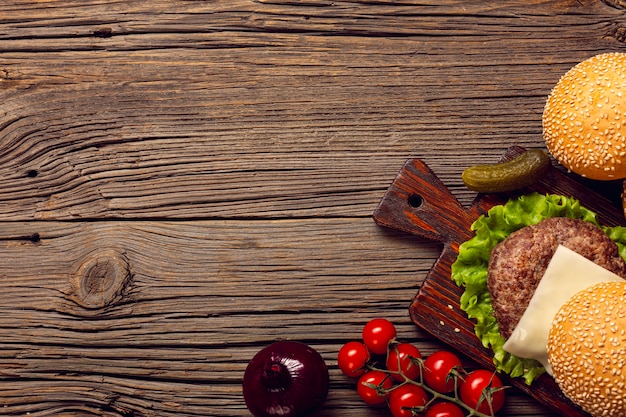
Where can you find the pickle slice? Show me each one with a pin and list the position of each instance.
(522, 171)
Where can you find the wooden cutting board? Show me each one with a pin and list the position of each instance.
(418, 202)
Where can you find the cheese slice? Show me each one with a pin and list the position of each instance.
(566, 274)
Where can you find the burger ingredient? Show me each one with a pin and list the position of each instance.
(444, 409)
(517, 264)
(407, 399)
(286, 378)
(441, 370)
(392, 379)
(403, 360)
(520, 172)
(586, 347)
(483, 391)
(567, 273)
(377, 334)
(583, 122)
(352, 359)
(469, 271)
(374, 386)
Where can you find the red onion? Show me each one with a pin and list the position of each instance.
(286, 379)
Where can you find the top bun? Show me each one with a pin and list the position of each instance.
(587, 349)
(584, 120)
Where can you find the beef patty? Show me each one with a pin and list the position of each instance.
(518, 262)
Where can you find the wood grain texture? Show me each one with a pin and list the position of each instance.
(150, 110)
(182, 182)
(203, 295)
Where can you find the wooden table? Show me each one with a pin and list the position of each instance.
(184, 182)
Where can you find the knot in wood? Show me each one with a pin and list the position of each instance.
(101, 279)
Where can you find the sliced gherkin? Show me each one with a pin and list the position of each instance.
(521, 171)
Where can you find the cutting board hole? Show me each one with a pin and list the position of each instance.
(415, 200)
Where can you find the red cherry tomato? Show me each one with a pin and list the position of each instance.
(405, 397)
(373, 386)
(444, 409)
(404, 358)
(438, 370)
(377, 334)
(482, 390)
(352, 359)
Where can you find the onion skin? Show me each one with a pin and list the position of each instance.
(287, 379)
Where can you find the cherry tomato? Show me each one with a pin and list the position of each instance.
(377, 334)
(405, 397)
(438, 370)
(352, 359)
(373, 386)
(403, 358)
(482, 390)
(444, 409)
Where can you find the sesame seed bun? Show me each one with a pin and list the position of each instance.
(587, 349)
(584, 119)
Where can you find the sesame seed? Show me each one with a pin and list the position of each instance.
(578, 110)
(587, 349)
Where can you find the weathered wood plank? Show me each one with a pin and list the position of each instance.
(201, 298)
(244, 109)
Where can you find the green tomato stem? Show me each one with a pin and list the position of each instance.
(436, 395)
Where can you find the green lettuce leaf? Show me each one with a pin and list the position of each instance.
(469, 271)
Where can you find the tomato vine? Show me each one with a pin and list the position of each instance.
(396, 373)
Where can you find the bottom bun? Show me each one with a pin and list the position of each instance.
(587, 349)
